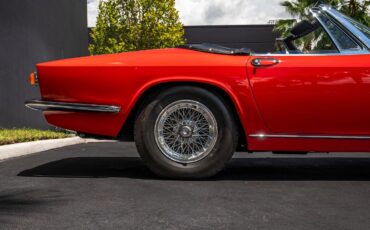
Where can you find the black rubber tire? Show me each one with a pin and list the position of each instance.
(214, 162)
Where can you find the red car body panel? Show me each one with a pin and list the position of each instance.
(121, 79)
(301, 95)
(321, 95)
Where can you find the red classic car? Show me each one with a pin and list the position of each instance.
(189, 108)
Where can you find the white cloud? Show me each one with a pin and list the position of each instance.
(92, 11)
(218, 12)
(229, 12)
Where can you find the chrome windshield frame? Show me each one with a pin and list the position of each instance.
(365, 41)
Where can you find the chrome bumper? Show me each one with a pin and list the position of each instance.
(63, 106)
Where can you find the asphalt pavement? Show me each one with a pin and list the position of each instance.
(106, 186)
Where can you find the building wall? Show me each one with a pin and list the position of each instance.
(34, 31)
(259, 38)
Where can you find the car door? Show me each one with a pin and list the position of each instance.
(313, 94)
(320, 90)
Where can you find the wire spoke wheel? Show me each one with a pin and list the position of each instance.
(186, 131)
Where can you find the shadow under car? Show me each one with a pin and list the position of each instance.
(254, 169)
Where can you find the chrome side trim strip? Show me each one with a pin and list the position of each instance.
(62, 106)
(262, 136)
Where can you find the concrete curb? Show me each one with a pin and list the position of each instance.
(27, 148)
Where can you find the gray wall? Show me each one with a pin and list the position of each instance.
(259, 38)
(33, 31)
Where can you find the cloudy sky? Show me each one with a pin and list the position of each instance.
(218, 12)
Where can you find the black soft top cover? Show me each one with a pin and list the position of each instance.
(217, 49)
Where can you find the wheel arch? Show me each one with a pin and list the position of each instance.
(146, 93)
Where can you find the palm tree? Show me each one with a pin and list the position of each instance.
(358, 10)
(298, 9)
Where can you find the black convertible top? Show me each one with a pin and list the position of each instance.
(217, 49)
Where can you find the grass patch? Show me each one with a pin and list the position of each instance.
(12, 136)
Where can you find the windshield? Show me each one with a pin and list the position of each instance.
(314, 41)
(364, 29)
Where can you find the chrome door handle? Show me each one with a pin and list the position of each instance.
(265, 62)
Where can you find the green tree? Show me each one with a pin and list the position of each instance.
(298, 9)
(129, 25)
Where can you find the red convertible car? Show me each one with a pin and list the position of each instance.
(189, 108)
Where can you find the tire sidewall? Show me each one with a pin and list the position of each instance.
(221, 152)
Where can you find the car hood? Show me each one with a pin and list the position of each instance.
(155, 57)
